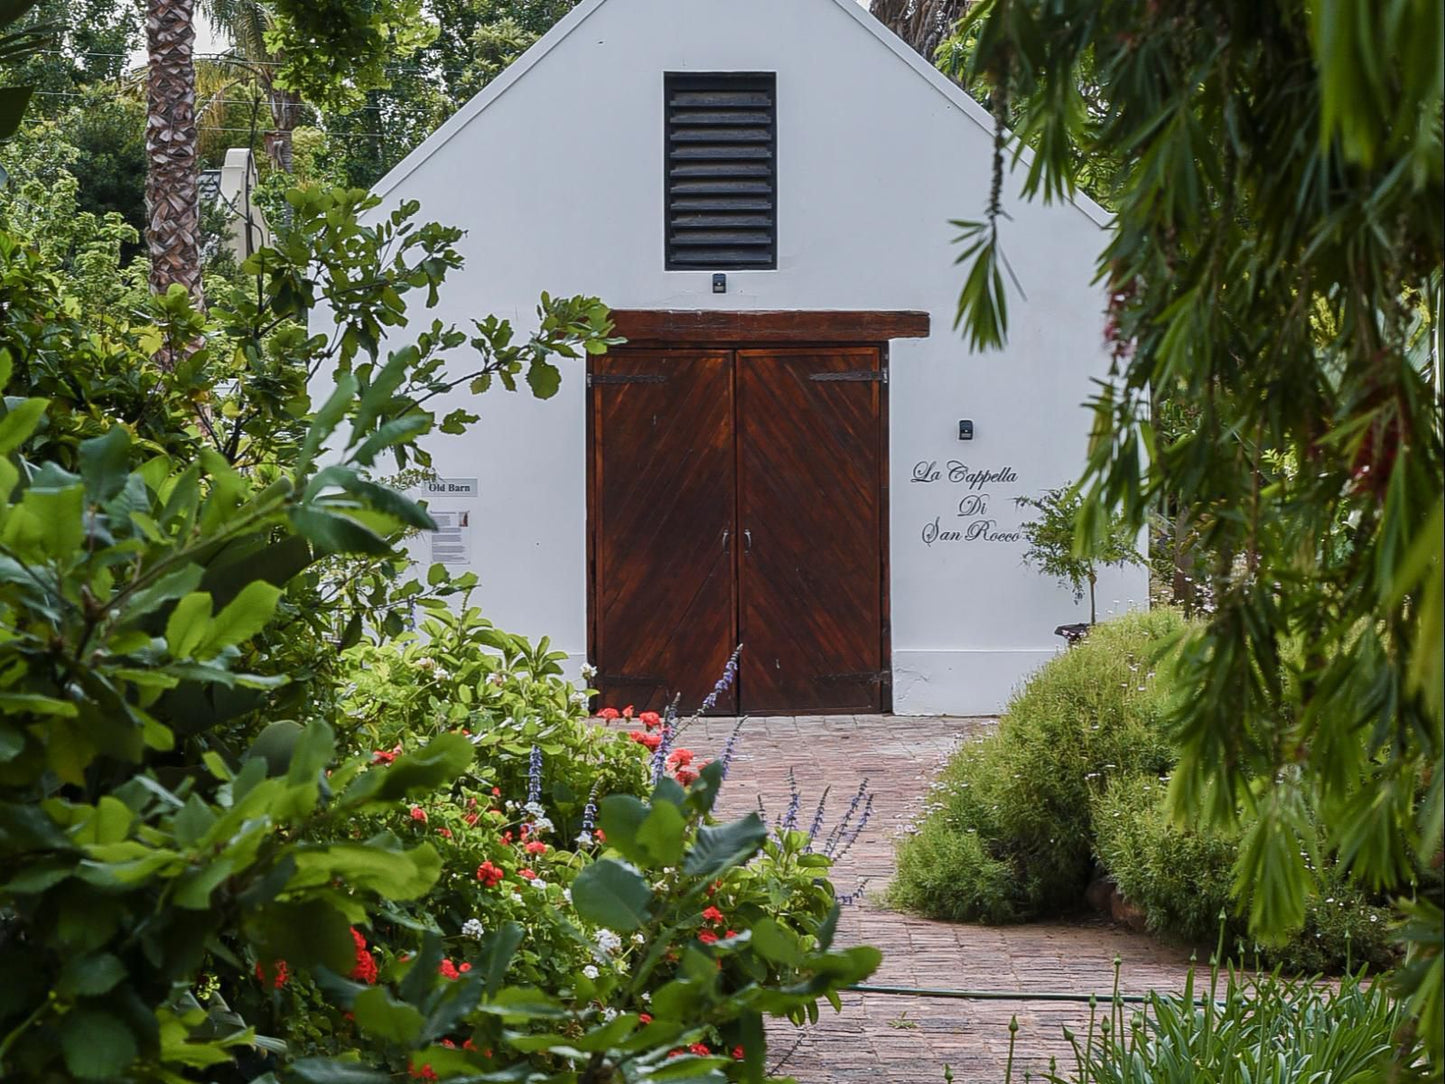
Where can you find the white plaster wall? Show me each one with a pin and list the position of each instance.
(559, 183)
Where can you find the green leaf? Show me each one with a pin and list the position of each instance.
(326, 420)
(17, 423)
(440, 761)
(775, 944)
(246, 615)
(380, 1014)
(105, 464)
(497, 950)
(612, 894)
(331, 533)
(188, 624)
(96, 1045)
(720, 848)
(394, 874)
(543, 378)
(620, 816)
(90, 976)
(661, 835)
(330, 1071)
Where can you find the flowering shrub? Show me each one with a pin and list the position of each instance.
(458, 673)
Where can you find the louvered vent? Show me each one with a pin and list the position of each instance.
(722, 179)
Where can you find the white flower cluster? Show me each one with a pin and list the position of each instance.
(588, 671)
(591, 971)
(584, 839)
(473, 928)
(608, 942)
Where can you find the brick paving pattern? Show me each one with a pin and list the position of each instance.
(907, 1040)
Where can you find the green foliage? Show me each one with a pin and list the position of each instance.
(1092, 715)
(331, 51)
(1275, 267)
(209, 866)
(1073, 786)
(1259, 1028)
(1180, 878)
(1055, 545)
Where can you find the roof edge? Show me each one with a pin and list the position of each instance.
(578, 15)
(959, 97)
(485, 97)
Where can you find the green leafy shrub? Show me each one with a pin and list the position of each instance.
(211, 867)
(458, 672)
(1261, 1028)
(1091, 715)
(1180, 878)
(1073, 785)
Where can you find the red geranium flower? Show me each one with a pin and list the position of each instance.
(536, 847)
(702, 1050)
(276, 974)
(707, 937)
(365, 969)
(737, 1053)
(426, 1072)
(644, 1018)
(679, 757)
(489, 875)
(418, 814)
(471, 818)
(527, 874)
(607, 713)
(627, 712)
(712, 914)
(651, 741)
(385, 756)
(686, 776)
(445, 833)
(650, 719)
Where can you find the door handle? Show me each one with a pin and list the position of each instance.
(726, 533)
(747, 541)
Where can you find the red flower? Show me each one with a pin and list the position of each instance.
(448, 970)
(644, 1018)
(365, 969)
(526, 873)
(276, 974)
(731, 933)
(536, 847)
(679, 757)
(627, 712)
(651, 741)
(737, 1053)
(702, 1050)
(712, 914)
(385, 756)
(707, 937)
(489, 875)
(449, 1044)
(686, 776)
(445, 833)
(507, 837)
(470, 818)
(600, 834)
(426, 1072)
(607, 713)
(418, 814)
(650, 719)
(496, 792)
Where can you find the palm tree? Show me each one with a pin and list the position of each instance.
(246, 21)
(173, 224)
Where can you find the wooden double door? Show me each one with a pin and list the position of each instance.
(738, 496)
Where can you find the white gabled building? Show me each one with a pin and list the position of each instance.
(796, 450)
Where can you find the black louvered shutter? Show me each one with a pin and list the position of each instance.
(722, 177)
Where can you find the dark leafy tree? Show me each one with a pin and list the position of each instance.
(1275, 267)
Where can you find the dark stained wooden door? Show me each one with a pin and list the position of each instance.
(663, 493)
(810, 587)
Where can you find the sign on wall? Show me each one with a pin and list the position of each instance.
(978, 508)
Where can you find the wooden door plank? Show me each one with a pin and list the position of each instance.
(664, 608)
(810, 579)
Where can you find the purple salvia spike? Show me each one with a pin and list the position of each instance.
(730, 748)
(817, 825)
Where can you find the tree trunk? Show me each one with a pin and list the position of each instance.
(285, 113)
(172, 182)
(923, 24)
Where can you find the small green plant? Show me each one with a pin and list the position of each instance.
(902, 1023)
(1266, 1029)
(1057, 548)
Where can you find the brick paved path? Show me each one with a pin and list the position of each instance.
(907, 1040)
